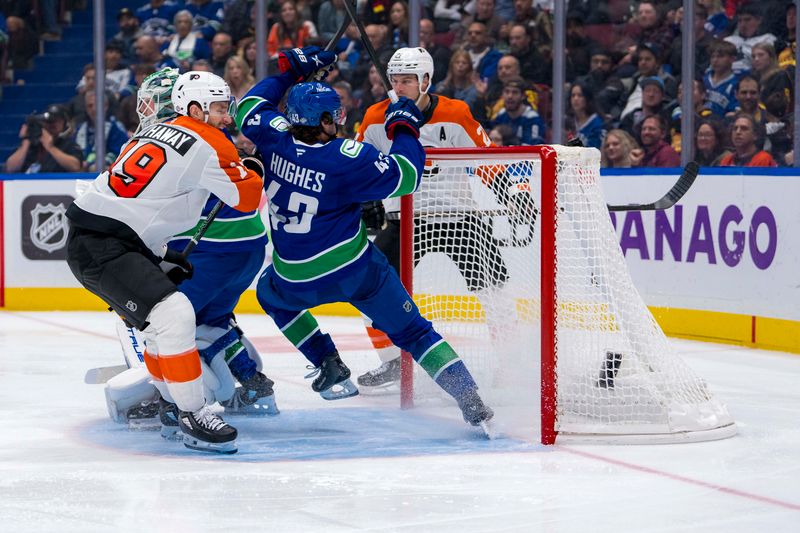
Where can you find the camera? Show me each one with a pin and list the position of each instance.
(35, 123)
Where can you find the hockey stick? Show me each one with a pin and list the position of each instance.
(192, 244)
(671, 198)
(677, 191)
(97, 376)
(370, 50)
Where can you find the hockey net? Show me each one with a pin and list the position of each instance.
(542, 308)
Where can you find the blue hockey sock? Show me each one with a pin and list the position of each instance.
(303, 331)
(447, 369)
(242, 367)
(235, 354)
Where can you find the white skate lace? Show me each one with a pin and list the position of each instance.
(314, 371)
(209, 420)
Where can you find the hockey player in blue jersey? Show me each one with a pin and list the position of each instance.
(315, 184)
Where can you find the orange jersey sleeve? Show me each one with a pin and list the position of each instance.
(225, 160)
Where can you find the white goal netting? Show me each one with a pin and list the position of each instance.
(479, 279)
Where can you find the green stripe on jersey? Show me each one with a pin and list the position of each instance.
(300, 328)
(324, 263)
(408, 176)
(233, 350)
(438, 356)
(244, 108)
(243, 228)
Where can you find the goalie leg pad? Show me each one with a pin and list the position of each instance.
(127, 391)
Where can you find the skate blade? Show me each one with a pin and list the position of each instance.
(343, 389)
(489, 429)
(144, 424)
(171, 433)
(387, 389)
(263, 407)
(211, 447)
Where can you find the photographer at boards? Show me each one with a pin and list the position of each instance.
(46, 145)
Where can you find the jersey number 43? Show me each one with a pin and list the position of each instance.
(303, 207)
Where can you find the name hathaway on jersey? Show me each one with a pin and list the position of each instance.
(295, 174)
(172, 137)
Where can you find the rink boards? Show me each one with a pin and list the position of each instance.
(722, 265)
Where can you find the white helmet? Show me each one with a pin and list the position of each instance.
(415, 61)
(202, 88)
(153, 99)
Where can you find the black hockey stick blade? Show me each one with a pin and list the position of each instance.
(202, 229)
(671, 198)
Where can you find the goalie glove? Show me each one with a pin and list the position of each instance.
(521, 206)
(303, 63)
(253, 163)
(373, 214)
(177, 267)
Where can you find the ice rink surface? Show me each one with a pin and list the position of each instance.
(361, 464)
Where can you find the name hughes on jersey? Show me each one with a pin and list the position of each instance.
(295, 174)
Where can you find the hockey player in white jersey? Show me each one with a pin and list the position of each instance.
(447, 123)
(119, 228)
(225, 263)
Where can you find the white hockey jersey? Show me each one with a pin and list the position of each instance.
(160, 182)
(449, 125)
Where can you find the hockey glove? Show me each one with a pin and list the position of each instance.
(304, 62)
(403, 114)
(183, 269)
(521, 207)
(254, 164)
(373, 214)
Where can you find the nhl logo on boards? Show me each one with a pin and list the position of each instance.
(45, 227)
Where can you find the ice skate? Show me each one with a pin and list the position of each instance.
(382, 380)
(254, 397)
(476, 413)
(333, 379)
(143, 416)
(207, 432)
(168, 414)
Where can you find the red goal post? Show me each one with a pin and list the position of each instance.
(561, 297)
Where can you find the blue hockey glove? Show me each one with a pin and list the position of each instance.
(403, 114)
(183, 268)
(304, 62)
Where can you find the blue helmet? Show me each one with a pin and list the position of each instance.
(308, 101)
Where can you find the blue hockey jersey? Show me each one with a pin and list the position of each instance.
(721, 97)
(315, 190)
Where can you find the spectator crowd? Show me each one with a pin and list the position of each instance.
(623, 71)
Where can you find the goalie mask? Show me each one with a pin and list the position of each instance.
(201, 88)
(154, 97)
(416, 61)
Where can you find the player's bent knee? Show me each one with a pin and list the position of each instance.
(173, 322)
(419, 331)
